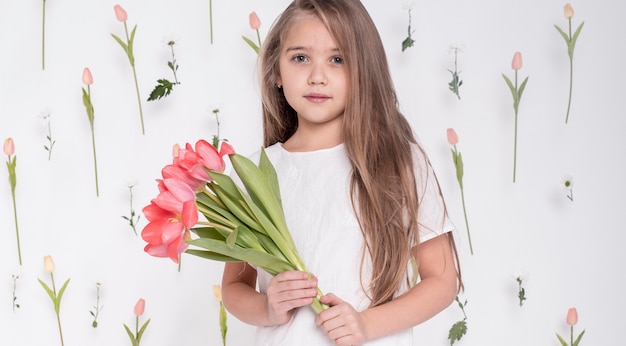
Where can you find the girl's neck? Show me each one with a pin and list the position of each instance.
(312, 140)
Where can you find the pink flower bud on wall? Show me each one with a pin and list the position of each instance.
(48, 264)
(120, 13)
(516, 64)
(9, 147)
(140, 307)
(568, 11)
(572, 316)
(255, 22)
(453, 138)
(87, 77)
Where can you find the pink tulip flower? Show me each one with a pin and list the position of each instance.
(140, 307)
(192, 164)
(170, 217)
(120, 13)
(255, 22)
(48, 264)
(517, 61)
(87, 77)
(568, 11)
(453, 138)
(572, 316)
(9, 146)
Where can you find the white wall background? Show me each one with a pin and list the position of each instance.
(571, 252)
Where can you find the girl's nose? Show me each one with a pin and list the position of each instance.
(318, 75)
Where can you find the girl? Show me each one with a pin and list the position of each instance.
(359, 194)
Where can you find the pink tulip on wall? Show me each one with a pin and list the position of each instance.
(571, 319)
(138, 310)
(457, 159)
(570, 41)
(122, 16)
(88, 81)
(9, 150)
(55, 296)
(516, 91)
(255, 24)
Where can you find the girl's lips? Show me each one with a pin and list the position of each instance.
(316, 98)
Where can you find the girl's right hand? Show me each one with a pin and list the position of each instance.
(287, 291)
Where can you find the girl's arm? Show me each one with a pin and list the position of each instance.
(285, 292)
(435, 291)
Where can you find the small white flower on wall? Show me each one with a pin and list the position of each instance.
(567, 183)
(456, 81)
(521, 278)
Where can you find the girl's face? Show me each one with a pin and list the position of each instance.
(313, 76)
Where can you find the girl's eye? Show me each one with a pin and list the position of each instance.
(299, 58)
(337, 60)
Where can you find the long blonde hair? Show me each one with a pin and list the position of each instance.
(377, 137)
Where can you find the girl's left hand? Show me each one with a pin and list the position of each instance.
(341, 322)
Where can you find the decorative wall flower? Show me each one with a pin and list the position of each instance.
(459, 328)
(45, 116)
(132, 218)
(9, 150)
(520, 279)
(571, 320)
(570, 41)
(127, 46)
(255, 24)
(217, 293)
(16, 305)
(568, 186)
(456, 81)
(457, 159)
(52, 292)
(164, 86)
(516, 91)
(135, 337)
(409, 41)
(88, 80)
(216, 137)
(96, 309)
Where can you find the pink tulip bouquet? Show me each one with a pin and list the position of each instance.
(255, 24)
(571, 319)
(570, 41)
(122, 16)
(237, 226)
(516, 91)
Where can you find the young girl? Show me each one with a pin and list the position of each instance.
(360, 196)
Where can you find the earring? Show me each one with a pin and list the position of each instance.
(279, 86)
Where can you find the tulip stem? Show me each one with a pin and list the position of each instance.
(469, 237)
(54, 290)
(17, 232)
(211, 19)
(515, 135)
(95, 162)
(571, 74)
(43, 37)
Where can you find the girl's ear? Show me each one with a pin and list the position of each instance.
(279, 82)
